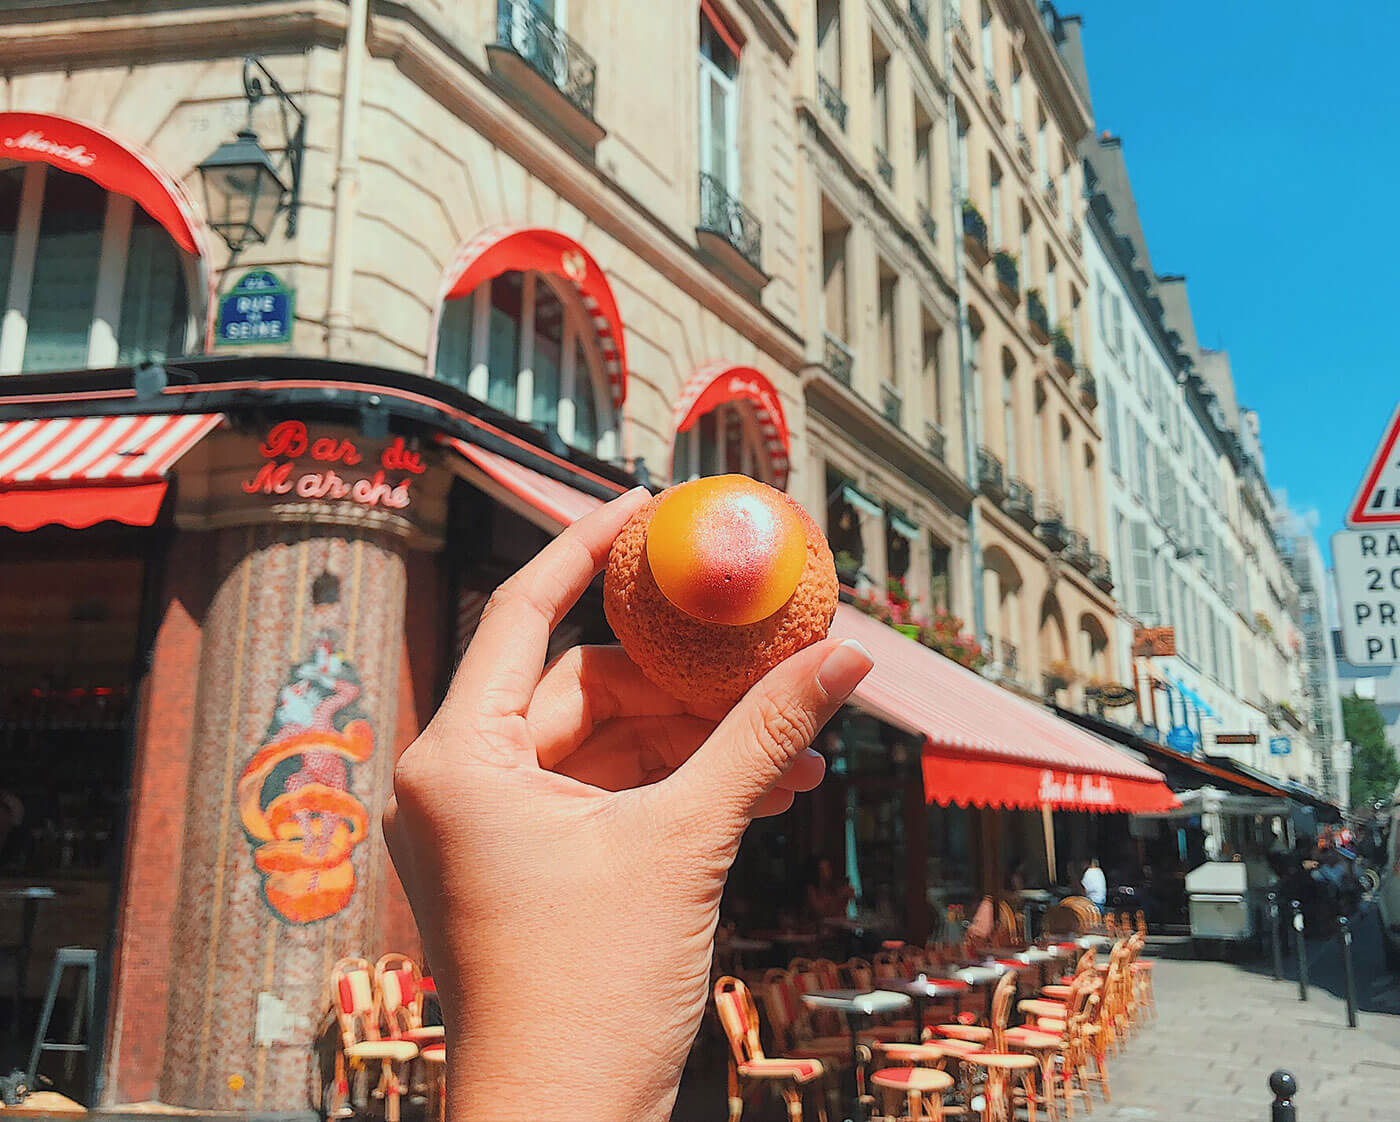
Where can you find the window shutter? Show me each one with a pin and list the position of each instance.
(1166, 489)
(1142, 572)
(1115, 453)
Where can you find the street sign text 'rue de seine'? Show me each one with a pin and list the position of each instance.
(1366, 560)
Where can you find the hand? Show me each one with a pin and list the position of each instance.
(564, 837)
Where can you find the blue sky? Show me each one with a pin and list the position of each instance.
(1263, 142)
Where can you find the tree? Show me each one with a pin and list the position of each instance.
(1375, 771)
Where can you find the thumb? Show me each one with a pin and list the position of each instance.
(762, 735)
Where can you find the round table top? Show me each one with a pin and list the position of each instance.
(1037, 955)
(925, 987)
(979, 975)
(865, 1002)
(912, 1079)
(1007, 1061)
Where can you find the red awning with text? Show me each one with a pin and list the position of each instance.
(985, 746)
(79, 471)
(719, 383)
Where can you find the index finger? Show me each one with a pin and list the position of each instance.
(503, 663)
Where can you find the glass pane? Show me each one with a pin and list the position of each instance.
(454, 355)
(548, 356)
(64, 292)
(716, 50)
(11, 183)
(717, 143)
(709, 443)
(503, 340)
(585, 408)
(154, 301)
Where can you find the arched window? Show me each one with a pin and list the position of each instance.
(88, 277)
(1093, 644)
(523, 343)
(724, 441)
(729, 420)
(1002, 606)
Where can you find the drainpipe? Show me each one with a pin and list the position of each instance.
(967, 381)
(347, 184)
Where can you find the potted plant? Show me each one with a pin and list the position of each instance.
(1062, 347)
(1037, 316)
(974, 230)
(1060, 675)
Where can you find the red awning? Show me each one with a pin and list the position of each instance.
(78, 471)
(548, 503)
(985, 746)
(503, 249)
(119, 167)
(716, 383)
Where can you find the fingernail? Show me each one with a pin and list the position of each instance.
(842, 669)
(812, 753)
(639, 489)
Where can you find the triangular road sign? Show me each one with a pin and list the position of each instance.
(1377, 503)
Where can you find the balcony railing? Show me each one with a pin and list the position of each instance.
(883, 166)
(989, 473)
(935, 440)
(832, 101)
(1009, 657)
(1077, 551)
(1037, 316)
(975, 229)
(526, 31)
(994, 95)
(891, 404)
(1076, 237)
(838, 359)
(1052, 196)
(1050, 527)
(1023, 148)
(1100, 572)
(918, 16)
(722, 214)
(1088, 388)
(929, 223)
(1008, 276)
(1020, 501)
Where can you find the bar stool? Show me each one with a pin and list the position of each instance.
(84, 1001)
(915, 1082)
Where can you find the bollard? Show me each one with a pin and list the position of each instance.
(1345, 928)
(1273, 936)
(1301, 950)
(1284, 1087)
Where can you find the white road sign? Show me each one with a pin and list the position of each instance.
(1367, 566)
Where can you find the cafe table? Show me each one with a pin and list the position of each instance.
(984, 975)
(856, 1007)
(922, 989)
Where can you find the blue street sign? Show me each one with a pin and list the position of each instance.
(1280, 746)
(1181, 738)
(257, 310)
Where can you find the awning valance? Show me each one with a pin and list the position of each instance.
(504, 249)
(88, 151)
(717, 383)
(549, 503)
(985, 746)
(79, 471)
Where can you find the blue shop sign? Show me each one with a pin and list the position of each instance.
(1182, 739)
(258, 309)
(1280, 746)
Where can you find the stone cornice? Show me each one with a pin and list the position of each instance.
(1051, 76)
(769, 22)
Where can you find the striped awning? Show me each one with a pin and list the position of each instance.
(78, 471)
(718, 383)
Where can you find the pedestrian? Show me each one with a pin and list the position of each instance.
(564, 835)
(1095, 884)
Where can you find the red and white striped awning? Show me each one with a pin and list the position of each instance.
(536, 497)
(503, 249)
(78, 471)
(717, 383)
(984, 746)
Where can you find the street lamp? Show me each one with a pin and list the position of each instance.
(244, 190)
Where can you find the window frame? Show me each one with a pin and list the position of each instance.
(707, 69)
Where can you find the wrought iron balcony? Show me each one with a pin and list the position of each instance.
(935, 440)
(1077, 551)
(918, 16)
(1020, 501)
(883, 166)
(1052, 196)
(974, 231)
(838, 359)
(832, 101)
(1008, 276)
(1023, 148)
(1009, 657)
(1088, 388)
(724, 215)
(530, 34)
(892, 404)
(929, 223)
(1100, 572)
(1076, 237)
(994, 95)
(1037, 316)
(1050, 527)
(989, 473)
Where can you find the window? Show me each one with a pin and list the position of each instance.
(99, 281)
(1026, 281)
(1008, 411)
(1142, 571)
(1117, 337)
(1067, 474)
(1166, 488)
(940, 562)
(1143, 481)
(880, 94)
(1017, 113)
(1052, 296)
(923, 162)
(719, 144)
(834, 231)
(1173, 617)
(1042, 158)
(1115, 456)
(523, 343)
(829, 41)
(1074, 319)
(1101, 293)
(889, 345)
(1066, 203)
(964, 168)
(933, 373)
(994, 174)
(724, 441)
(989, 62)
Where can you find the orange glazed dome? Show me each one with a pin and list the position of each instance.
(714, 582)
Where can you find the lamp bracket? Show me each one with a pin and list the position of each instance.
(293, 136)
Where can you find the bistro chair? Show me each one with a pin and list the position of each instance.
(356, 1002)
(1061, 1023)
(791, 1022)
(400, 984)
(747, 1063)
(435, 1056)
